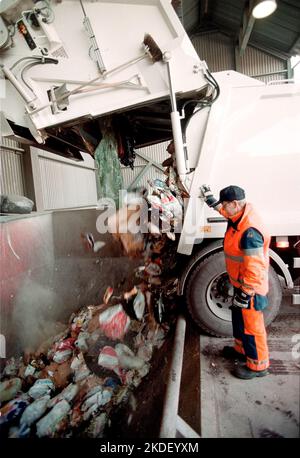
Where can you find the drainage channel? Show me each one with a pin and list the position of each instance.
(173, 425)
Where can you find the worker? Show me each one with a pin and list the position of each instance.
(246, 245)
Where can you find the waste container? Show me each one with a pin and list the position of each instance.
(69, 366)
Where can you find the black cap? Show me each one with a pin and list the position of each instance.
(231, 193)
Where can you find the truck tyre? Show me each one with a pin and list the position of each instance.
(208, 295)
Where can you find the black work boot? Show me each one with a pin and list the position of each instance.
(245, 373)
(231, 353)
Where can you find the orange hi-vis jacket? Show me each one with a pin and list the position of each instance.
(247, 264)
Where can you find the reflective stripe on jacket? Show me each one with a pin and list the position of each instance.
(246, 249)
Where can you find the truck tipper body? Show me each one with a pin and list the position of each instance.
(68, 64)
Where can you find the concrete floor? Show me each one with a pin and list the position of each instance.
(261, 407)
(213, 402)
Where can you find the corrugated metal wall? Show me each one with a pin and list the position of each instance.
(11, 168)
(62, 183)
(216, 49)
(156, 154)
(255, 62)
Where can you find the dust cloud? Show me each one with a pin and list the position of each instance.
(36, 315)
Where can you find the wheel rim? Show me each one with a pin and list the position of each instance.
(218, 299)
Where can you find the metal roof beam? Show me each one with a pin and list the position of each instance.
(273, 52)
(246, 28)
(295, 49)
(177, 5)
(203, 10)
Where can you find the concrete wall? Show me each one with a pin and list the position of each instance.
(46, 273)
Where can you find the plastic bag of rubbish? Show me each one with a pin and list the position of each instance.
(81, 342)
(12, 410)
(63, 350)
(155, 202)
(61, 356)
(112, 383)
(108, 358)
(81, 373)
(66, 344)
(19, 432)
(81, 320)
(12, 203)
(171, 204)
(68, 394)
(9, 389)
(90, 411)
(50, 424)
(41, 387)
(114, 322)
(109, 176)
(30, 370)
(93, 403)
(157, 183)
(157, 337)
(11, 367)
(139, 304)
(34, 411)
(100, 398)
(80, 369)
(97, 426)
(135, 303)
(92, 391)
(145, 351)
(127, 359)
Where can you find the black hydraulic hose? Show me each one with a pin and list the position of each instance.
(212, 80)
(203, 103)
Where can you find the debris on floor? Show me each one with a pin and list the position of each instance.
(75, 388)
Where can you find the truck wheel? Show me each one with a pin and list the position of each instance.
(208, 295)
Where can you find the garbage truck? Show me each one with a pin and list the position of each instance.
(68, 65)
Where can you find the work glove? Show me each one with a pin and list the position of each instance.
(241, 299)
(208, 196)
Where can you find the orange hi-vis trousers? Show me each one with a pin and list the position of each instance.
(250, 337)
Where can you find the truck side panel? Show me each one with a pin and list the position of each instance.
(252, 140)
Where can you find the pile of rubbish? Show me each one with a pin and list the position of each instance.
(72, 383)
(69, 386)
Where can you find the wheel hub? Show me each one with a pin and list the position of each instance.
(219, 296)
